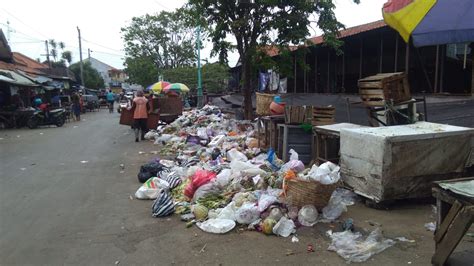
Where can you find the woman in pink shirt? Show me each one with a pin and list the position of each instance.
(140, 109)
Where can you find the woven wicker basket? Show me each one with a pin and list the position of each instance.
(300, 193)
(263, 103)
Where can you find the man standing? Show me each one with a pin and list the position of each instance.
(111, 100)
(76, 106)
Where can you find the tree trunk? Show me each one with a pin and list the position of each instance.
(246, 78)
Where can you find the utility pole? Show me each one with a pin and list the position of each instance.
(80, 56)
(8, 30)
(198, 47)
(47, 53)
(89, 54)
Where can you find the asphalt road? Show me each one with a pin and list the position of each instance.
(56, 210)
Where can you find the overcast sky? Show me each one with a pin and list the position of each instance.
(32, 22)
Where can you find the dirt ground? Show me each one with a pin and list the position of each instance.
(56, 210)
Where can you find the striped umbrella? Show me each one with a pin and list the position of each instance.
(176, 87)
(431, 22)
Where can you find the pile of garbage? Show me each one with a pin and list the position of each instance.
(218, 177)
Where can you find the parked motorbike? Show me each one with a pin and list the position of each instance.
(53, 117)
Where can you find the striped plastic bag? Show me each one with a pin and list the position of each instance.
(163, 205)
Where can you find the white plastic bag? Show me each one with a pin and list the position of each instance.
(285, 227)
(340, 198)
(293, 155)
(206, 189)
(327, 173)
(247, 214)
(265, 201)
(235, 155)
(151, 188)
(228, 212)
(151, 135)
(308, 215)
(353, 248)
(224, 178)
(202, 133)
(296, 166)
(216, 226)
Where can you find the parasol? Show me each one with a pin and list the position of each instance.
(431, 22)
(176, 87)
(158, 86)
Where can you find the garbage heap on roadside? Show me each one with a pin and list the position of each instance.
(215, 176)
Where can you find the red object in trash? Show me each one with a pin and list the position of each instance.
(310, 248)
(201, 177)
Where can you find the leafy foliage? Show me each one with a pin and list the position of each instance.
(165, 39)
(262, 23)
(214, 76)
(92, 78)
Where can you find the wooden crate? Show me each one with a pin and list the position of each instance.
(294, 137)
(323, 115)
(376, 90)
(297, 114)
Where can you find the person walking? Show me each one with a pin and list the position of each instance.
(140, 108)
(111, 100)
(76, 106)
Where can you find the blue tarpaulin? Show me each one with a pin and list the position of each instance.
(448, 21)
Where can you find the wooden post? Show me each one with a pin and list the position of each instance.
(381, 54)
(441, 74)
(316, 72)
(335, 73)
(304, 74)
(407, 58)
(343, 70)
(396, 53)
(294, 82)
(435, 88)
(360, 58)
(328, 88)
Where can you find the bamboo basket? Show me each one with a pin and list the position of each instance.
(263, 103)
(301, 192)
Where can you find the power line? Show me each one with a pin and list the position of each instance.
(103, 46)
(163, 6)
(19, 20)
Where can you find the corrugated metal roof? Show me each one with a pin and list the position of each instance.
(352, 31)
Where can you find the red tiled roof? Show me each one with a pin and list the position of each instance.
(29, 63)
(352, 31)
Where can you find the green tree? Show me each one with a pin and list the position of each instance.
(259, 23)
(92, 78)
(164, 40)
(66, 56)
(214, 76)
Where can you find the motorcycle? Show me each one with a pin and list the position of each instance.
(40, 118)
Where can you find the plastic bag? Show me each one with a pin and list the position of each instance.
(163, 205)
(199, 178)
(285, 227)
(206, 189)
(216, 226)
(151, 188)
(308, 215)
(247, 214)
(149, 170)
(293, 155)
(163, 138)
(224, 178)
(327, 173)
(228, 212)
(353, 248)
(340, 198)
(296, 166)
(151, 135)
(265, 201)
(173, 179)
(202, 133)
(235, 155)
